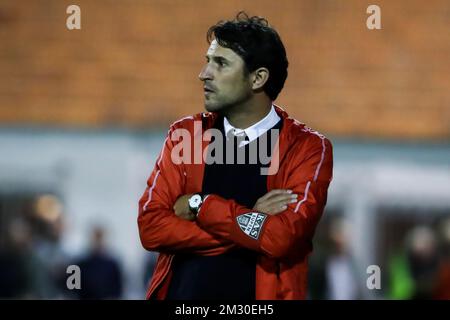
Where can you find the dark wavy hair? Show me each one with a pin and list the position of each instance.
(258, 44)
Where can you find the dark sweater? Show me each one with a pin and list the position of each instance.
(230, 275)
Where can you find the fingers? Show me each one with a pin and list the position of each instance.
(184, 214)
(277, 210)
(281, 199)
(274, 192)
(276, 201)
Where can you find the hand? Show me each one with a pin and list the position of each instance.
(181, 208)
(275, 201)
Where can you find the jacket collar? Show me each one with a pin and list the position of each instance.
(255, 130)
(287, 135)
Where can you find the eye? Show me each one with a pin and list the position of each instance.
(222, 62)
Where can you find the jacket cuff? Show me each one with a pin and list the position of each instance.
(229, 220)
(202, 215)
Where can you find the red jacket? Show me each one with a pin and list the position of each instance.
(285, 239)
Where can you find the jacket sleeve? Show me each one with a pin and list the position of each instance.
(280, 235)
(159, 228)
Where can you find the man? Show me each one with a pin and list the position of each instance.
(236, 229)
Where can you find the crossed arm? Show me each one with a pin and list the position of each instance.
(166, 224)
(172, 228)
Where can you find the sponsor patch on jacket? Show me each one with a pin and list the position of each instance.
(251, 223)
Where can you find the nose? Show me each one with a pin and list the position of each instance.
(205, 73)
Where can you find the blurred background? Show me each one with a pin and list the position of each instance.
(83, 115)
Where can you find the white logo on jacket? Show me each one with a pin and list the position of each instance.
(251, 223)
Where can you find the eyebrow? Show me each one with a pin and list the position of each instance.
(217, 58)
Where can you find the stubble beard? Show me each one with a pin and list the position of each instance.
(226, 107)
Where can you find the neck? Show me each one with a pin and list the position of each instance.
(246, 114)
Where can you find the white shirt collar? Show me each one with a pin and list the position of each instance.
(255, 130)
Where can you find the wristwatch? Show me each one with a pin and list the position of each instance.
(195, 202)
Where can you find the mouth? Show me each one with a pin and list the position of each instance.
(207, 89)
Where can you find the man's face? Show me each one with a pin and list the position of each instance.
(225, 82)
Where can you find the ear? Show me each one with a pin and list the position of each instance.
(260, 77)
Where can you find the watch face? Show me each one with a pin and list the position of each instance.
(195, 201)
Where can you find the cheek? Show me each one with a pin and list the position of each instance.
(237, 84)
(241, 87)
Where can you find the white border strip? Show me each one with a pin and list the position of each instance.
(316, 175)
(304, 198)
(150, 190)
(321, 160)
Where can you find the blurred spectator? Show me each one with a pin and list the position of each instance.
(442, 288)
(101, 275)
(413, 273)
(332, 271)
(340, 268)
(16, 262)
(32, 264)
(50, 272)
